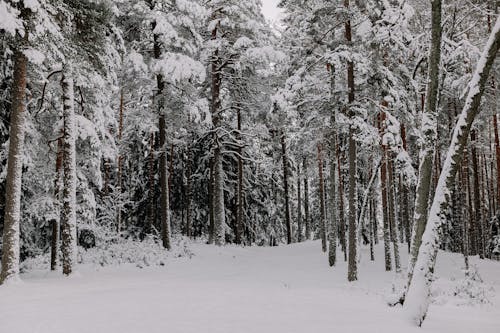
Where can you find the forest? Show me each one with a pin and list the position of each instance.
(342, 147)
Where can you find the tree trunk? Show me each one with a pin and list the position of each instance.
(478, 227)
(58, 186)
(239, 212)
(322, 222)
(211, 226)
(392, 216)
(120, 167)
(418, 297)
(218, 185)
(11, 228)
(429, 132)
(285, 185)
(151, 218)
(68, 216)
(306, 200)
(342, 238)
(299, 206)
(189, 194)
(384, 187)
(332, 253)
(164, 205)
(352, 273)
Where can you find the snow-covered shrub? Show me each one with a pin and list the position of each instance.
(148, 252)
(468, 291)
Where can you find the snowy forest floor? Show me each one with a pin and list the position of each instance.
(255, 289)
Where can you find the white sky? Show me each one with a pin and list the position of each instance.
(270, 9)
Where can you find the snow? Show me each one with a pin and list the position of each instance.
(234, 289)
(8, 18)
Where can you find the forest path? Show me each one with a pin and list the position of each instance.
(232, 289)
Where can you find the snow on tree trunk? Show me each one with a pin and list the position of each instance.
(11, 229)
(68, 215)
(429, 138)
(418, 296)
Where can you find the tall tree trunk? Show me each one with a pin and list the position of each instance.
(58, 186)
(392, 215)
(239, 213)
(120, 166)
(306, 200)
(151, 217)
(332, 252)
(418, 297)
(352, 272)
(342, 223)
(189, 194)
(68, 216)
(11, 228)
(384, 190)
(288, 223)
(405, 214)
(478, 227)
(429, 132)
(218, 185)
(164, 205)
(299, 206)
(211, 226)
(322, 222)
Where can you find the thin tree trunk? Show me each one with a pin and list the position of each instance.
(322, 225)
(239, 213)
(352, 271)
(12, 217)
(218, 184)
(189, 194)
(342, 237)
(392, 216)
(284, 156)
(58, 186)
(306, 200)
(165, 204)
(151, 218)
(299, 206)
(385, 206)
(120, 167)
(332, 253)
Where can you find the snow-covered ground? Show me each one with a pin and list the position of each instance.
(233, 289)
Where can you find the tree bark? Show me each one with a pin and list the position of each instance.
(239, 212)
(68, 216)
(288, 222)
(58, 186)
(352, 272)
(332, 252)
(12, 217)
(306, 200)
(429, 133)
(322, 222)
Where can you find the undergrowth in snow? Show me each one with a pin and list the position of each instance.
(148, 252)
